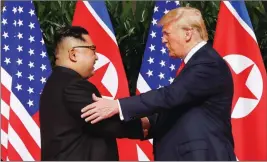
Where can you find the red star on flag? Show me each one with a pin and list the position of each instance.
(97, 79)
(240, 87)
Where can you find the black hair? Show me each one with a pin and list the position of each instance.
(70, 31)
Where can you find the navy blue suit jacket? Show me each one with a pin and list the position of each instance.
(193, 120)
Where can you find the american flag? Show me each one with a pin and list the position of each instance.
(157, 69)
(24, 69)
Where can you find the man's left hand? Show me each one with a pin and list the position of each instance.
(100, 110)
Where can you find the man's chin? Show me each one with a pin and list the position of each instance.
(172, 55)
(89, 76)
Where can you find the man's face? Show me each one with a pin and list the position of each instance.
(174, 39)
(86, 56)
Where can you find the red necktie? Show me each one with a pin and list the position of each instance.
(180, 68)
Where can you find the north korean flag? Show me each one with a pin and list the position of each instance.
(237, 44)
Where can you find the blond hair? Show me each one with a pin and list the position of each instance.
(191, 18)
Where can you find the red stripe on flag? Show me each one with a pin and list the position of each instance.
(4, 124)
(137, 92)
(35, 117)
(22, 132)
(12, 154)
(127, 150)
(5, 94)
(147, 148)
(3, 153)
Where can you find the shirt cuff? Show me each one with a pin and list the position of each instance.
(121, 116)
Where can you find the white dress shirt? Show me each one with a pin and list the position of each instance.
(186, 59)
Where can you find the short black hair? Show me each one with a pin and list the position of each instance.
(70, 31)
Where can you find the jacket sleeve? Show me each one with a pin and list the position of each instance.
(78, 94)
(197, 83)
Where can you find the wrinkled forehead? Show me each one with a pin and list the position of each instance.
(166, 28)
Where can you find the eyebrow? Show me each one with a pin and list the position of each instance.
(165, 32)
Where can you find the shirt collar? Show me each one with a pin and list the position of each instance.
(194, 50)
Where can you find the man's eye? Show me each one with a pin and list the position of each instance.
(166, 34)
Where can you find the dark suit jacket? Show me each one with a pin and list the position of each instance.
(194, 112)
(64, 134)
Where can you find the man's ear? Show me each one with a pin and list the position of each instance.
(72, 55)
(188, 35)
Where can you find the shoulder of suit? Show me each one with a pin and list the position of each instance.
(82, 83)
(206, 55)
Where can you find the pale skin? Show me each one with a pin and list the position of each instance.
(80, 59)
(178, 40)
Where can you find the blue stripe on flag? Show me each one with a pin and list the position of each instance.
(241, 9)
(101, 10)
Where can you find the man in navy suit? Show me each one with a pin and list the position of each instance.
(193, 120)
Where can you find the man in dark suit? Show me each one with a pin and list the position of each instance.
(64, 134)
(194, 112)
